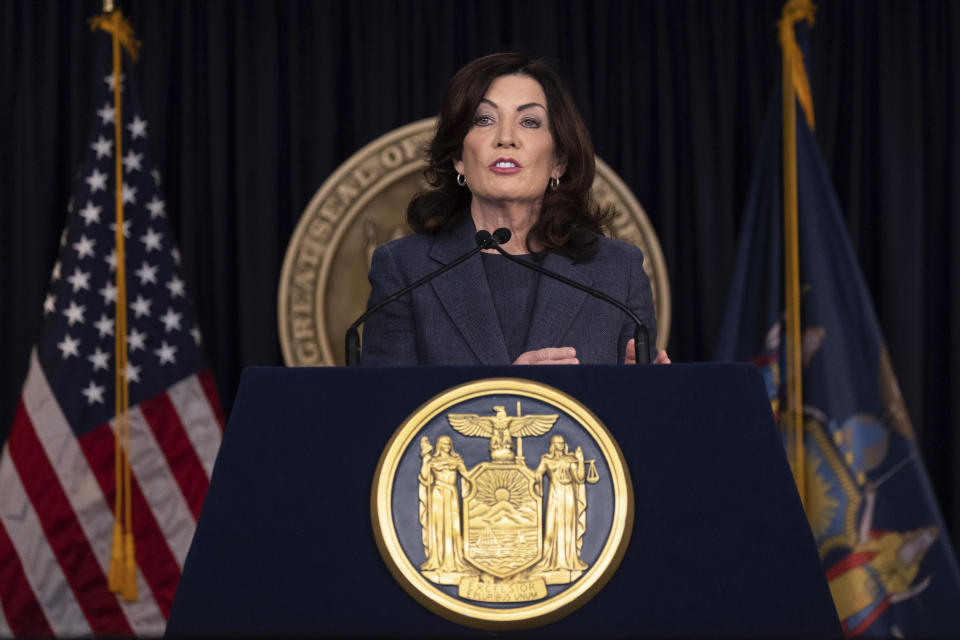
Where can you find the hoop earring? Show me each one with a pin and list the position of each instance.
(461, 180)
(554, 183)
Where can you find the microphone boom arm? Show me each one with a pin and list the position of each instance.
(352, 338)
(641, 337)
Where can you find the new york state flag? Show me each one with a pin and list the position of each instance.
(885, 551)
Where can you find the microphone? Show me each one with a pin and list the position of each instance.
(352, 339)
(641, 336)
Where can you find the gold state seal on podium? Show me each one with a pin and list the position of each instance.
(502, 503)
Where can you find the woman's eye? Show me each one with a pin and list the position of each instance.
(531, 123)
(482, 120)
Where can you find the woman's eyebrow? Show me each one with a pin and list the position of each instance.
(520, 108)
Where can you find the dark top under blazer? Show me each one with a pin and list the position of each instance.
(451, 320)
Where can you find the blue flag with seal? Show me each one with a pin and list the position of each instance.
(884, 548)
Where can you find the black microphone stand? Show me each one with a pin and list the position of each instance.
(640, 346)
(352, 339)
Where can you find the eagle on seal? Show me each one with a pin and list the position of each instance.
(501, 429)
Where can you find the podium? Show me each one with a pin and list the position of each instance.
(720, 543)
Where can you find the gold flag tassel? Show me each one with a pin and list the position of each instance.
(796, 87)
(122, 577)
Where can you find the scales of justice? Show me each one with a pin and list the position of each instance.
(498, 544)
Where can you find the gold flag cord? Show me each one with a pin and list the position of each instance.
(796, 87)
(122, 577)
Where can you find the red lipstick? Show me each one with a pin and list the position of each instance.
(505, 166)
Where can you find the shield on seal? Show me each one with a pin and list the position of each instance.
(502, 525)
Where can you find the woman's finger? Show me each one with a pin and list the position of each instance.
(549, 355)
(631, 357)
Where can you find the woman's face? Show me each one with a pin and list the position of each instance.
(509, 154)
(444, 444)
(556, 444)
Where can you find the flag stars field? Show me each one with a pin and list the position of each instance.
(151, 240)
(156, 208)
(166, 353)
(79, 280)
(100, 359)
(133, 372)
(137, 128)
(129, 196)
(103, 147)
(136, 340)
(69, 346)
(74, 313)
(132, 161)
(84, 247)
(126, 234)
(90, 213)
(171, 320)
(94, 393)
(109, 293)
(111, 83)
(176, 287)
(104, 325)
(106, 114)
(97, 181)
(141, 307)
(147, 273)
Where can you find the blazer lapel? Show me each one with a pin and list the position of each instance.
(465, 295)
(557, 303)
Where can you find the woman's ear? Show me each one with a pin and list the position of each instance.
(560, 167)
(458, 165)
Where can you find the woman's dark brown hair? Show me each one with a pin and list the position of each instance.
(570, 222)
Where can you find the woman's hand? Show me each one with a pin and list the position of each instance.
(631, 355)
(550, 355)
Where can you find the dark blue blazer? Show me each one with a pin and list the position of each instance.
(452, 321)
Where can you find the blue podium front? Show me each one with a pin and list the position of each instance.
(720, 544)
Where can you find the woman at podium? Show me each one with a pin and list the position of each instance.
(510, 152)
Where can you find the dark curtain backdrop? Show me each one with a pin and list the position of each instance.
(253, 104)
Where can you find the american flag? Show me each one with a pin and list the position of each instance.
(57, 465)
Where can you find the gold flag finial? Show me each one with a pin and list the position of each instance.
(113, 22)
(793, 12)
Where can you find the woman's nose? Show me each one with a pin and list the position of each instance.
(505, 136)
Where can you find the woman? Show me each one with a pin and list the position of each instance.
(440, 512)
(565, 520)
(510, 151)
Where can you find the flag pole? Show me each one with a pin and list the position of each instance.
(122, 576)
(795, 86)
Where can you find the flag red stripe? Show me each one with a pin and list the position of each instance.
(869, 620)
(181, 457)
(23, 613)
(210, 389)
(849, 562)
(63, 531)
(156, 561)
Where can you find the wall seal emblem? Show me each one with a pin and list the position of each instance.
(323, 285)
(502, 503)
